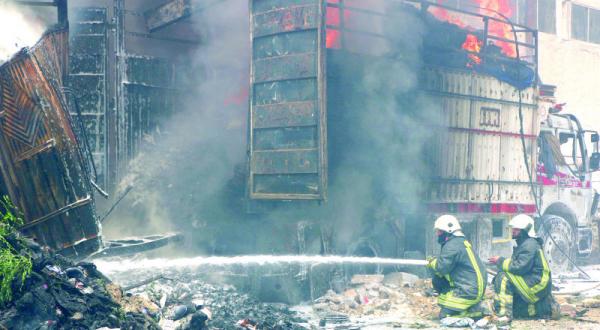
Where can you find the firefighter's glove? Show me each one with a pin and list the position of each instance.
(431, 261)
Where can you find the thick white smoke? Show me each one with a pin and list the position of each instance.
(20, 27)
(178, 177)
(193, 179)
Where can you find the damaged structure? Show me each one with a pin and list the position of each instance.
(475, 86)
(43, 169)
(366, 120)
(47, 157)
(126, 62)
(358, 133)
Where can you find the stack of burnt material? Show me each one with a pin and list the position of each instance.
(451, 45)
(59, 294)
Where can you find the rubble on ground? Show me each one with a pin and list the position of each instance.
(185, 298)
(60, 294)
(393, 299)
(181, 296)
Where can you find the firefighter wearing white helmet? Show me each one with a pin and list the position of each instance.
(523, 284)
(449, 224)
(525, 223)
(458, 275)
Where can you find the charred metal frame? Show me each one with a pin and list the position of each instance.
(424, 6)
(90, 68)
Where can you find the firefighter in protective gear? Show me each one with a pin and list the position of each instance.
(523, 284)
(458, 275)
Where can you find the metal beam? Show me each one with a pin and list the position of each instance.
(168, 14)
(174, 11)
(62, 12)
(35, 3)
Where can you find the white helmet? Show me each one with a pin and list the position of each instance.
(448, 223)
(523, 222)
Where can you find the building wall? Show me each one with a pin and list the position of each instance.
(573, 66)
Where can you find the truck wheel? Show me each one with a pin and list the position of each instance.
(559, 240)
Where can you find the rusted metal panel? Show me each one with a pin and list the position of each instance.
(286, 67)
(41, 164)
(168, 13)
(287, 133)
(478, 153)
(294, 138)
(173, 11)
(284, 19)
(285, 115)
(286, 162)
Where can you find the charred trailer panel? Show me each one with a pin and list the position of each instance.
(42, 166)
(480, 170)
(287, 146)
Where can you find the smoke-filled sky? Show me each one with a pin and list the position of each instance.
(21, 27)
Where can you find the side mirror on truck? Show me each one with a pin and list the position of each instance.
(595, 138)
(595, 161)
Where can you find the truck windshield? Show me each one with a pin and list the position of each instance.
(571, 151)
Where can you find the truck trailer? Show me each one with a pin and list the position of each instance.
(492, 149)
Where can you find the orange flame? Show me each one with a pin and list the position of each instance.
(499, 29)
(443, 15)
(473, 45)
(493, 8)
(332, 38)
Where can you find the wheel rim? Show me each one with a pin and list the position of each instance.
(558, 249)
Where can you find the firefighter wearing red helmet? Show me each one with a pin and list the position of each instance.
(523, 284)
(458, 275)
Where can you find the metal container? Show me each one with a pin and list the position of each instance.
(287, 122)
(478, 156)
(42, 167)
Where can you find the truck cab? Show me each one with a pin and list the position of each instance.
(568, 201)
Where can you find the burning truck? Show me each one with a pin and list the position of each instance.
(490, 141)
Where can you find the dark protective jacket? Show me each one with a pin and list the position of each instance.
(528, 270)
(464, 271)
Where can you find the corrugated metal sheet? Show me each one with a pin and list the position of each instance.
(479, 156)
(41, 164)
(287, 134)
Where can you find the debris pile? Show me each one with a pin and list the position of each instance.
(59, 294)
(397, 298)
(578, 306)
(184, 299)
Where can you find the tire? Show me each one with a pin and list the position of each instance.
(559, 242)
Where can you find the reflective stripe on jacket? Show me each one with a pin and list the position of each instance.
(528, 270)
(464, 271)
